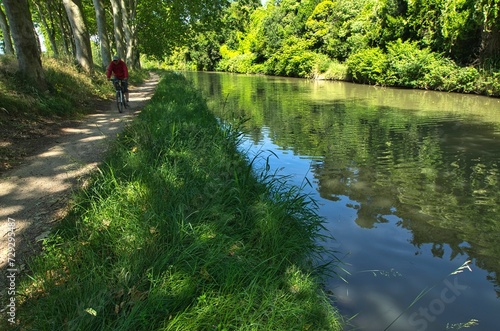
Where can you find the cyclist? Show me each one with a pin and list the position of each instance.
(119, 69)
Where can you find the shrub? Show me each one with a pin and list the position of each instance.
(438, 78)
(295, 59)
(368, 66)
(241, 63)
(326, 68)
(466, 79)
(336, 71)
(489, 84)
(448, 76)
(408, 64)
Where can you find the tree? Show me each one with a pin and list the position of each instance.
(102, 31)
(129, 13)
(80, 34)
(4, 25)
(45, 16)
(51, 17)
(25, 41)
(163, 25)
(118, 28)
(340, 28)
(488, 17)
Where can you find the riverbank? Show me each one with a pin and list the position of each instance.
(177, 232)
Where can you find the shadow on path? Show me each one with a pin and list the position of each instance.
(34, 196)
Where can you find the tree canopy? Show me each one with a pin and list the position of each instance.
(432, 44)
(90, 30)
(283, 37)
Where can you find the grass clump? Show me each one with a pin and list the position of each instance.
(177, 232)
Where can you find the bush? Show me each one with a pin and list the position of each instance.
(326, 68)
(241, 63)
(294, 60)
(466, 80)
(489, 84)
(368, 66)
(336, 71)
(438, 78)
(408, 64)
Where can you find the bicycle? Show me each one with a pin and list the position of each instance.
(120, 96)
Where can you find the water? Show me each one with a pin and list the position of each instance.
(408, 184)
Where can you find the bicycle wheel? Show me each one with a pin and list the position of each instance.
(119, 101)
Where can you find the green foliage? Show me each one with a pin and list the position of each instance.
(294, 59)
(335, 71)
(240, 63)
(270, 34)
(317, 24)
(164, 25)
(489, 83)
(447, 76)
(204, 51)
(392, 22)
(446, 27)
(405, 64)
(418, 44)
(338, 28)
(368, 66)
(408, 64)
(424, 21)
(460, 35)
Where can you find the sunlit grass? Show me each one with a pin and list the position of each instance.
(70, 91)
(177, 232)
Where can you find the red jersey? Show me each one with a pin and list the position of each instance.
(119, 69)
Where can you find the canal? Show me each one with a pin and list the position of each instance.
(408, 183)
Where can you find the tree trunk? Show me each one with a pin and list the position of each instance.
(490, 45)
(50, 31)
(118, 26)
(7, 42)
(103, 35)
(129, 10)
(64, 27)
(135, 59)
(80, 34)
(126, 31)
(25, 41)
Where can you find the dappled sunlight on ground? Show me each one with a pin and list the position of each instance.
(35, 195)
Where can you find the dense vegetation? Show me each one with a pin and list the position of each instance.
(178, 232)
(446, 45)
(89, 32)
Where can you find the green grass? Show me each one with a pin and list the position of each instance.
(26, 111)
(70, 92)
(177, 232)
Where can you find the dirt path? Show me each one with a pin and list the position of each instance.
(35, 195)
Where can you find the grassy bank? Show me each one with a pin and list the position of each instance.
(177, 232)
(27, 114)
(70, 91)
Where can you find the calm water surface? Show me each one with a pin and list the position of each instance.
(408, 183)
